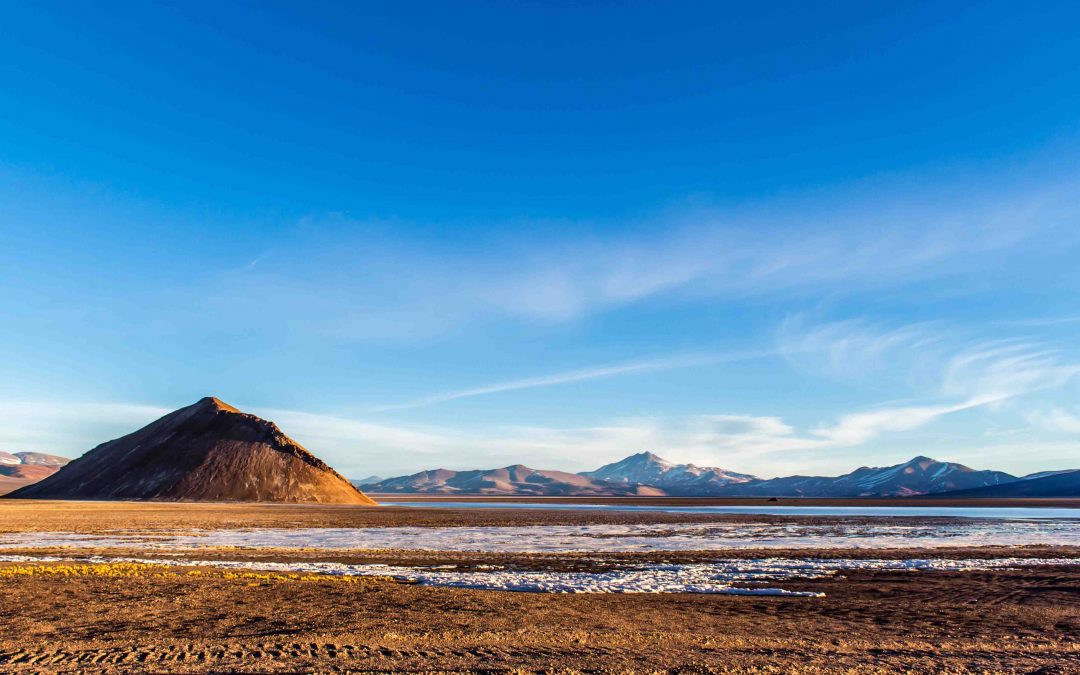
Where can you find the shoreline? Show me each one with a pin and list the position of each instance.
(913, 502)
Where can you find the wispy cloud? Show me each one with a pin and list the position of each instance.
(975, 377)
(968, 377)
(1059, 420)
(1042, 322)
(368, 284)
(858, 428)
(857, 349)
(580, 375)
(68, 428)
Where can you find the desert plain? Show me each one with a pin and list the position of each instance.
(165, 587)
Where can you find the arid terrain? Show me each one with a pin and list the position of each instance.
(83, 609)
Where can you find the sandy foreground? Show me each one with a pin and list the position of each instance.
(90, 613)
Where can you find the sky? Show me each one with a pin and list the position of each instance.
(772, 237)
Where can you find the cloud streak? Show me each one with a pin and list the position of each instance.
(68, 428)
(974, 377)
(968, 378)
(580, 375)
(367, 283)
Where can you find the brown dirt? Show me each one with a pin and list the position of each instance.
(14, 477)
(1003, 621)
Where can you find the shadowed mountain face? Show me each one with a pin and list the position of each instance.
(921, 475)
(208, 451)
(1050, 484)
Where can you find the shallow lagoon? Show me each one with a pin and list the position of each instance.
(854, 511)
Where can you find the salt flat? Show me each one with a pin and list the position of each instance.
(874, 533)
(212, 587)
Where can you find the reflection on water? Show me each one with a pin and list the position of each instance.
(856, 533)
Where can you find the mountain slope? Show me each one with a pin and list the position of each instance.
(645, 468)
(921, 475)
(510, 480)
(646, 474)
(25, 468)
(1044, 474)
(208, 451)
(1055, 484)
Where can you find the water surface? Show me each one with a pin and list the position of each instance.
(913, 511)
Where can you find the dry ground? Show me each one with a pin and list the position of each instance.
(1025, 620)
(1004, 621)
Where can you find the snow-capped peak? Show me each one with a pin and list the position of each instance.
(651, 469)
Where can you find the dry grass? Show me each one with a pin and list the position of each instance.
(153, 571)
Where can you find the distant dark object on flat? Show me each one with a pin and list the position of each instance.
(209, 451)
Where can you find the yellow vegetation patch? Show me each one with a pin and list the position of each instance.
(291, 576)
(85, 570)
(147, 570)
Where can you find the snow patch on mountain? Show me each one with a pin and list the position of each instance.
(646, 468)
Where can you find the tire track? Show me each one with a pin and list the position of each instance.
(276, 652)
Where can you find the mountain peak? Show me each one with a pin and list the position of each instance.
(214, 403)
(198, 454)
(647, 468)
(919, 459)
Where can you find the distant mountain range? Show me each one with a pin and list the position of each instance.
(919, 476)
(370, 480)
(646, 474)
(510, 480)
(19, 469)
(212, 451)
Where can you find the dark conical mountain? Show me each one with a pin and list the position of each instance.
(209, 451)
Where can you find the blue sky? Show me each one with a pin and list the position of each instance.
(771, 237)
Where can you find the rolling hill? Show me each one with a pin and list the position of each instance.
(20, 469)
